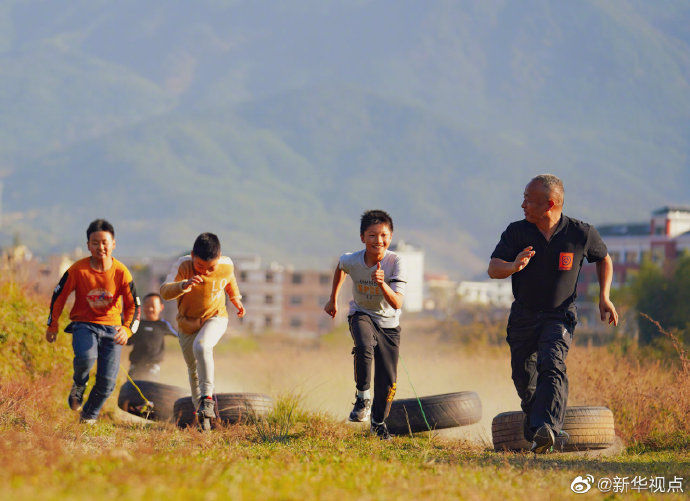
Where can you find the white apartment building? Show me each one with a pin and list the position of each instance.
(491, 293)
(414, 262)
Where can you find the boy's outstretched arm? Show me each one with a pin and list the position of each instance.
(130, 314)
(332, 305)
(395, 299)
(57, 303)
(238, 304)
(172, 290)
(175, 285)
(233, 292)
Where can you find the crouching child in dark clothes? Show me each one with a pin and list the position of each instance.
(378, 289)
(149, 340)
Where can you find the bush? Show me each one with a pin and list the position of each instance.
(23, 348)
(663, 295)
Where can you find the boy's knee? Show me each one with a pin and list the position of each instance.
(363, 352)
(201, 348)
(84, 361)
(106, 384)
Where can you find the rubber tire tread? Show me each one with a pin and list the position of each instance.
(589, 428)
(447, 410)
(163, 397)
(230, 408)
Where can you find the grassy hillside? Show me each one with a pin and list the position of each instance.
(276, 127)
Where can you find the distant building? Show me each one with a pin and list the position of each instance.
(262, 292)
(414, 262)
(497, 293)
(660, 240)
(40, 274)
(305, 293)
(440, 292)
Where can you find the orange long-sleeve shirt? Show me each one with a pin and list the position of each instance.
(99, 296)
(203, 301)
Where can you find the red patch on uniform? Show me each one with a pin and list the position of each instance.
(565, 261)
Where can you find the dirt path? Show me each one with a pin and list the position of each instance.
(323, 376)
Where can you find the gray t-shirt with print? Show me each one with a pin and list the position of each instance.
(367, 296)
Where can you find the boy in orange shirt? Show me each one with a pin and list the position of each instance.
(99, 325)
(199, 282)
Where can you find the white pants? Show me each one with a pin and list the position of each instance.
(197, 350)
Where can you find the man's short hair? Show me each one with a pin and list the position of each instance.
(372, 217)
(99, 225)
(206, 247)
(553, 185)
(152, 294)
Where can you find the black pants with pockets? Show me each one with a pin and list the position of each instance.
(539, 342)
(380, 345)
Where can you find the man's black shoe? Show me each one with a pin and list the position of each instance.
(76, 397)
(361, 410)
(560, 440)
(380, 430)
(543, 440)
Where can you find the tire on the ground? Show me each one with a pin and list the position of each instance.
(230, 408)
(589, 428)
(442, 411)
(163, 397)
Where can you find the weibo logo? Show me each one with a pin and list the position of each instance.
(565, 261)
(99, 299)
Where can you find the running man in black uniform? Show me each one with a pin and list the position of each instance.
(543, 254)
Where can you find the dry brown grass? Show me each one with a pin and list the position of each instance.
(650, 398)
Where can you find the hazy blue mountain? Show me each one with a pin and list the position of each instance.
(277, 123)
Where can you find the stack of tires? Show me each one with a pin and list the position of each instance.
(589, 428)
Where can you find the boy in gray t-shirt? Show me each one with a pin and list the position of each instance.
(378, 288)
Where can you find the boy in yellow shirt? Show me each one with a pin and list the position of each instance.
(199, 282)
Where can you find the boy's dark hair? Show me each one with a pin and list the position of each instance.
(206, 247)
(152, 294)
(99, 225)
(372, 217)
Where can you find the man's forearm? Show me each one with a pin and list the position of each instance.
(605, 276)
(498, 268)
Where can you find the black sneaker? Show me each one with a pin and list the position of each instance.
(560, 440)
(76, 397)
(361, 410)
(543, 440)
(380, 430)
(207, 408)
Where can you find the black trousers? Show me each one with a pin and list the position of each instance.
(539, 342)
(380, 346)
